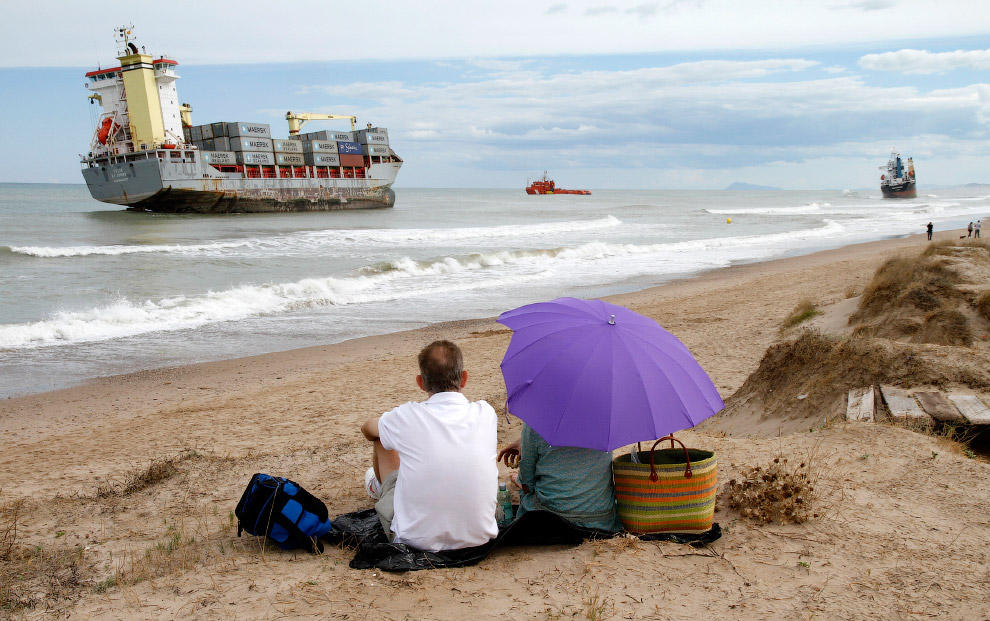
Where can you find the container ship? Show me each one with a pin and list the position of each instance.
(897, 180)
(547, 186)
(145, 152)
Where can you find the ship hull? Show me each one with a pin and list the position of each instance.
(149, 182)
(899, 190)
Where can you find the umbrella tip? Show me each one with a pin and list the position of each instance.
(611, 320)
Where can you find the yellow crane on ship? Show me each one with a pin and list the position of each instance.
(296, 121)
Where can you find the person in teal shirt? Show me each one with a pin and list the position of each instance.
(575, 483)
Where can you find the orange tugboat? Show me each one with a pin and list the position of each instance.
(547, 186)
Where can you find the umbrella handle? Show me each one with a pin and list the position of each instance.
(687, 458)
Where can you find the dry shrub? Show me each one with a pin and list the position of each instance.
(943, 248)
(983, 305)
(945, 327)
(804, 311)
(158, 470)
(915, 282)
(778, 493)
(34, 576)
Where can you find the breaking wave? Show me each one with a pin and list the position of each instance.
(811, 208)
(393, 280)
(309, 239)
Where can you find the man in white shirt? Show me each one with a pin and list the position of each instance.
(434, 461)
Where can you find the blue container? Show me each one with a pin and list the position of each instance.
(348, 148)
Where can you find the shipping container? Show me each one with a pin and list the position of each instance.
(209, 145)
(334, 136)
(207, 131)
(321, 159)
(319, 146)
(221, 144)
(348, 148)
(378, 150)
(240, 128)
(356, 161)
(217, 158)
(246, 143)
(289, 159)
(196, 133)
(219, 129)
(287, 146)
(375, 135)
(253, 158)
(187, 135)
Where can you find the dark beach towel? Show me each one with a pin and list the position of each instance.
(362, 530)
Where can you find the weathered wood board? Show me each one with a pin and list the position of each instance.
(902, 405)
(861, 404)
(974, 410)
(939, 407)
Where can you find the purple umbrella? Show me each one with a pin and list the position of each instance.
(592, 374)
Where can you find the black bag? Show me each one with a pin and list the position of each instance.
(284, 512)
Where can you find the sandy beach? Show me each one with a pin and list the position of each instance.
(902, 531)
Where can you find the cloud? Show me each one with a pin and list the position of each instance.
(919, 62)
(705, 115)
(595, 11)
(871, 5)
(644, 11)
(556, 9)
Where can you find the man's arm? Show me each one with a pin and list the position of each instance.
(370, 429)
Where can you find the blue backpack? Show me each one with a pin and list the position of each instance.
(284, 512)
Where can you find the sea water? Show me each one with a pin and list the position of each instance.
(89, 289)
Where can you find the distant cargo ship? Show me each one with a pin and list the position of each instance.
(898, 181)
(547, 186)
(146, 153)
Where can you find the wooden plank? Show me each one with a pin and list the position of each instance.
(939, 407)
(861, 404)
(974, 410)
(902, 405)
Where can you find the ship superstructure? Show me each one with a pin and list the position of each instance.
(146, 153)
(897, 180)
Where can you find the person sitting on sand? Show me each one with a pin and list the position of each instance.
(434, 473)
(575, 483)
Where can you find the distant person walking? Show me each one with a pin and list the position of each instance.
(969, 230)
(930, 229)
(976, 229)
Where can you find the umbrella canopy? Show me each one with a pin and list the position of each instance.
(592, 374)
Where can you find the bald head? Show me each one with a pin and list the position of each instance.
(441, 365)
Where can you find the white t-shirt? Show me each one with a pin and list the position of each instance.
(448, 478)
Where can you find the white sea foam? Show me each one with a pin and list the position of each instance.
(509, 231)
(811, 208)
(315, 239)
(398, 279)
(82, 251)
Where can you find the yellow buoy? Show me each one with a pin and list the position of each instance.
(728, 220)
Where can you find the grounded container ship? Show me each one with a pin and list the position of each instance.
(547, 186)
(897, 181)
(146, 153)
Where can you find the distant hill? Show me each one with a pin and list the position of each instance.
(738, 185)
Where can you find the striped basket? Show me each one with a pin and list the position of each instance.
(673, 493)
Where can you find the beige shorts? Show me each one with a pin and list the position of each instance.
(386, 504)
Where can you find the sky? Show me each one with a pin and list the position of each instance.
(675, 94)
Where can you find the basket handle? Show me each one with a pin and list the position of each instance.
(687, 458)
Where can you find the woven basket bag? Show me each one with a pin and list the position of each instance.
(673, 493)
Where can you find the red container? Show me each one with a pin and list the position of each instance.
(356, 161)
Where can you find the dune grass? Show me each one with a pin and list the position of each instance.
(805, 310)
